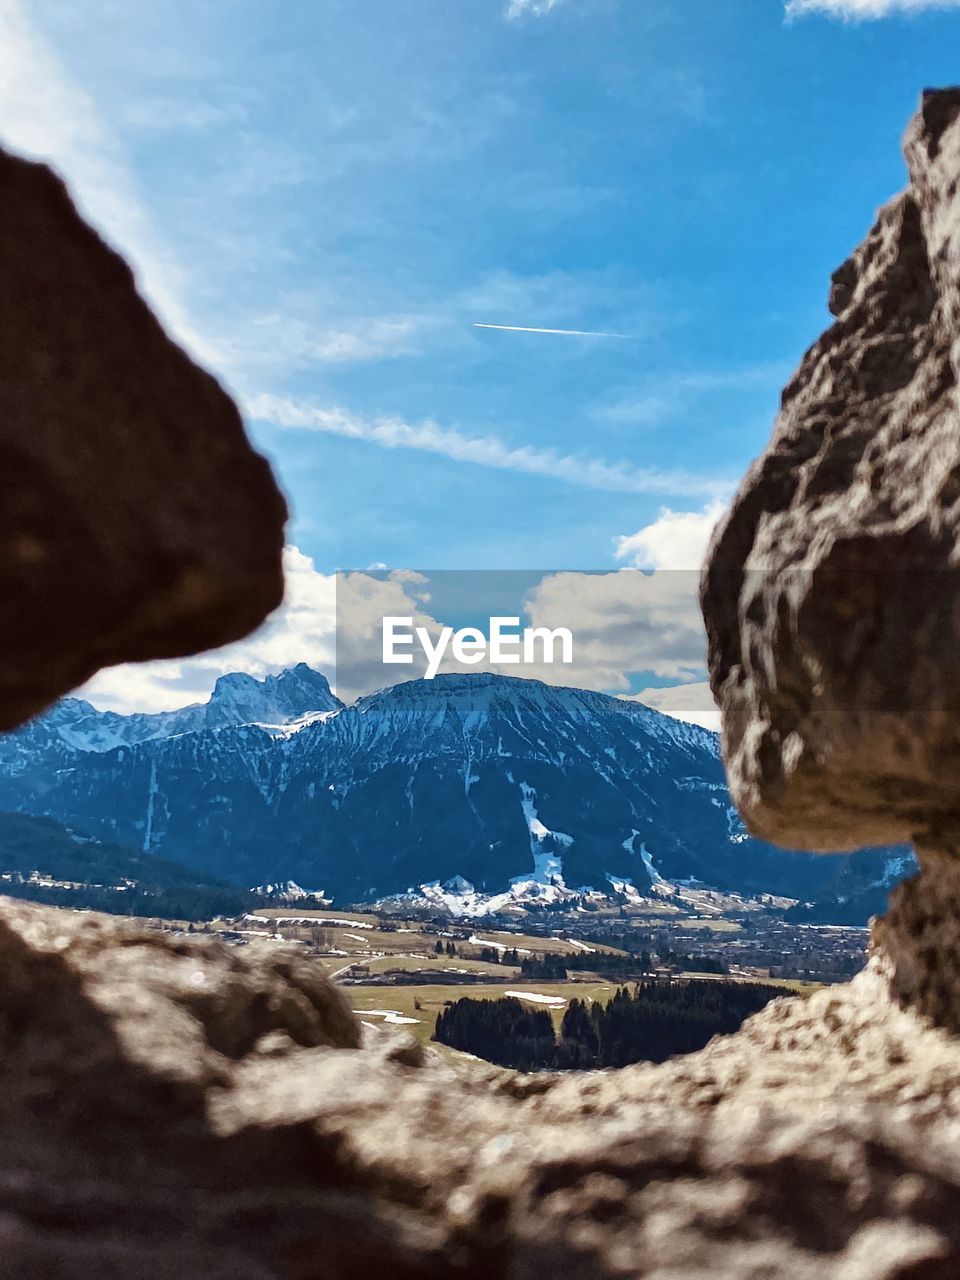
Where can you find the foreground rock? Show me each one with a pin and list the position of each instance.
(136, 521)
(832, 593)
(172, 1108)
(176, 1108)
(832, 590)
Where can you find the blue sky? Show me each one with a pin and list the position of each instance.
(325, 199)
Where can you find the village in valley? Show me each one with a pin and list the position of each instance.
(403, 969)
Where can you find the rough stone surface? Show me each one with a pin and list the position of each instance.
(136, 520)
(175, 1107)
(832, 591)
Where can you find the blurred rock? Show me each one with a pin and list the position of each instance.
(174, 1107)
(136, 520)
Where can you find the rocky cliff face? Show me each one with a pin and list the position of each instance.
(174, 1109)
(72, 725)
(831, 592)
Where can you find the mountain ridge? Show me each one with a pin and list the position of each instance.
(237, 698)
(493, 779)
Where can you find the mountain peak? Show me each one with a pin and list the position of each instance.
(525, 791)
(297, 694)
(240, 698)
(234, 680)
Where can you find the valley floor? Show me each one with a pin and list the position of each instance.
(403, 972)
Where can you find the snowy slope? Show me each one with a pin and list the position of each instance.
(517, 787)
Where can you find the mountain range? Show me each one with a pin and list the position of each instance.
(487, 784)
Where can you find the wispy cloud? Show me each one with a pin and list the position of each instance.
(568, 333)
(864, 10)
(662, 397)
(164, 113)
(613, 298)
(530, 8)
(290, 338)
(485, 451)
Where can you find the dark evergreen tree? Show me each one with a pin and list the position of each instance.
(578, 1028)
(652, 1023)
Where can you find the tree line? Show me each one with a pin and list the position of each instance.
(651, 1023)
(172, 902)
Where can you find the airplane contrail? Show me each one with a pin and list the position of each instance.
(569, 333)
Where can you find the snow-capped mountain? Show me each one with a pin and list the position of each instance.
(497, 780)
(276, 703)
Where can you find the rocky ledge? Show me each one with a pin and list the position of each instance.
(179, 1107)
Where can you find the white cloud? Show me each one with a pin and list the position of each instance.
(622, 622)
(675, 540)
(363, 601)
(301, 630)
(487, 451)
(690, 702)
(44, 114)
(865, 10)
(530, 8)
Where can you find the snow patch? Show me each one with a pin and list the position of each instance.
(497, 946)
(289, 890)
(393, 1016)
(582, 946)
(534, 997)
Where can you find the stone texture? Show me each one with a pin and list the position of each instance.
(175, 1107)
(136, 520)
(832, 590)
